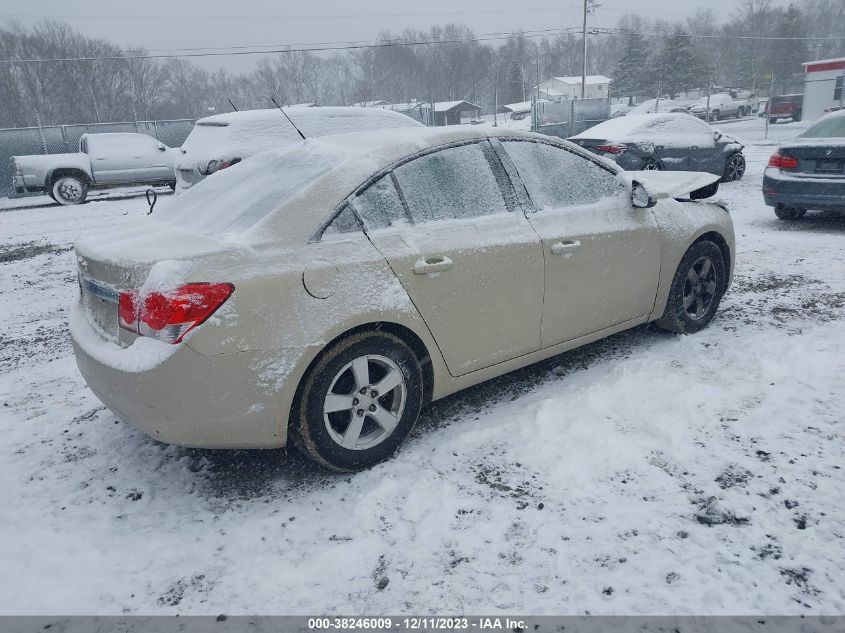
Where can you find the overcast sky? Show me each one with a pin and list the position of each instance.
(165, 24)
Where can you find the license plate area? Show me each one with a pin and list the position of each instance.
(828, 166)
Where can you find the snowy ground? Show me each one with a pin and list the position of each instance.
(589, 483)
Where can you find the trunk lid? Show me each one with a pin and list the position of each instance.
(122, 260)
(817, 157)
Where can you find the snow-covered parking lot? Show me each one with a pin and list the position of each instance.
(647, 473)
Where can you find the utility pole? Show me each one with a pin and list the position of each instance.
(584, 57)
(496, 106)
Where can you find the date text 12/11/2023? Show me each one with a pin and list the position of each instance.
(429, 623)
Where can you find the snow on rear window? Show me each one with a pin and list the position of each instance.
(237, 198)
(557, 178)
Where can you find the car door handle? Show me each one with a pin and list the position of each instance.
(436, 264)
(564, 248)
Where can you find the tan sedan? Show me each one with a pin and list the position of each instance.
(325, 293)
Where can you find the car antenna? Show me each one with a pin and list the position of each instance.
(231, 104)
(273, 99)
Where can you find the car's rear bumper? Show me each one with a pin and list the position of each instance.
(807, 193)
(179, 396)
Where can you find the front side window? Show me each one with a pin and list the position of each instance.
(556, 178)
(456, 182)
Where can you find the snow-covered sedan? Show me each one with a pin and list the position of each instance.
(322, 294)
(222, 140)
(673, 141)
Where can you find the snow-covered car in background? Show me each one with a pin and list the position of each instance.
(673, 141)
(104, 160)
(809, 172)
(220, 141)
(654, 105)
(719, 106)
(321, 294)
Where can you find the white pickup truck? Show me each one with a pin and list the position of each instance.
(723, 105)
(103, 160)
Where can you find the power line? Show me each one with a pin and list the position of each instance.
(346, 16)
(365, 44)
(285, 49)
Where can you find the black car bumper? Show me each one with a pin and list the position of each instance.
(806, 193)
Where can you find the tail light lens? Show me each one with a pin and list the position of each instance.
(783, 162)
(169, 316)
(217, 165)
(612, 149)
(16, 169)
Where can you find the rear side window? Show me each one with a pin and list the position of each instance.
(343, 222)
(456, 182)
(556, 178)
(379, 205)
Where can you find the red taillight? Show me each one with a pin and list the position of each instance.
(169, 316)
(783, 162)
(612, 149)
(127, 312)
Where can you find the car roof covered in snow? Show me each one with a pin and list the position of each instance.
(244, 133)
(284, 194)
(676, 127)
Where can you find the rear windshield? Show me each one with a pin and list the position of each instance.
(235, 199)
(834, 127)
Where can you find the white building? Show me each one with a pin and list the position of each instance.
(823, 86)
(557, 88)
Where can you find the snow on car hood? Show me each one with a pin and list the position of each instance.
(670, 184)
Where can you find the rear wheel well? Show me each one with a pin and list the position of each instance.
(719, 241)
(67, 171)
(408, 336)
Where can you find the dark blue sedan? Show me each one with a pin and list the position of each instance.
(809, 172)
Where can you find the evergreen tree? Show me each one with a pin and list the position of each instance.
(629, 73)
(515, 88)
(676, 66)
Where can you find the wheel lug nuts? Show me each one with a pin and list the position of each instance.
(374, 394)
(372, 407)
(360, 412)
(363, 391)
(354, 401)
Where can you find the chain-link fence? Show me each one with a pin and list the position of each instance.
(567, 118)
(60, 139)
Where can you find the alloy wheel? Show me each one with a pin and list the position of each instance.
(700, 288)
(736, 168)
(364, 402)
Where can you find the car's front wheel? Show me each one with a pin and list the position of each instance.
(69, 190)
(734, 168)
(358, 402)
(697, 289)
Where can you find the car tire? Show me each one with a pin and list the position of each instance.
(740, 112)
(714, 115)
(796, 116)
(734, 168)
(652, 164)
(69, 190)
(789, 212)
(772, 121)
(373, 425)
(172, 185)
(697, 288)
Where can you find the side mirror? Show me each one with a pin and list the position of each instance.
(161, 147)
(640, 197)
(705, 192)
(717, 135)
